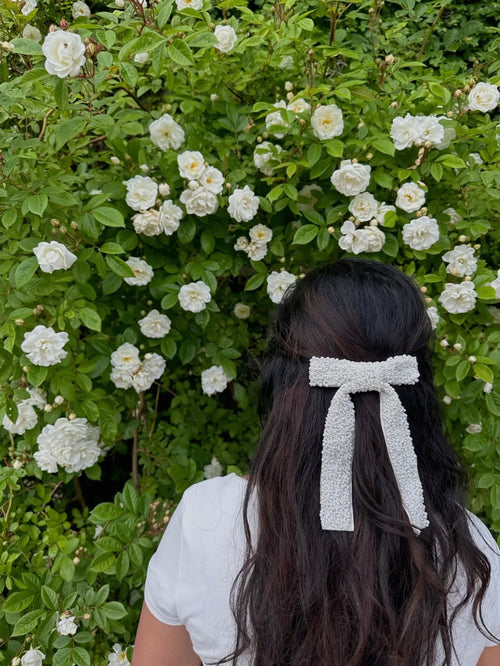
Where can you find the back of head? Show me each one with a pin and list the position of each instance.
(376, 595)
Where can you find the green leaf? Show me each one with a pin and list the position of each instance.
(27, 623)
(37, 374)
(290, 191)
(119, 267)
(68, 129)
(26, 46)
(314, 153)
(114, 610)
(255, 281)
(452, 161)
(109, 217)
(437, 171)
(180, 53)
(187, 350)
(37, 203)
(112, 248)
(122, 565)
(61, 94)
(493, 403)
(50, 597)
(11, 410)
(104, 512)
(66, 568)
(384, 145)
(18, 601)
(25, 271)
(483, 372)
(103, 562)
(305, 234)
(90, 318)
(80, 656)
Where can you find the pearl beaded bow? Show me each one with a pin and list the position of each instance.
(338, 437)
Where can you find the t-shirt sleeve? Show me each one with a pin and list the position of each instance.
(491, 604)
(160, 592)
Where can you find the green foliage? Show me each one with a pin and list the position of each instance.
(67, 146)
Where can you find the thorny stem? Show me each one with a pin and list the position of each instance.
(140, 414)
(430, 31)
(79, 493)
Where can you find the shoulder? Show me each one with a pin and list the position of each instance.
(214, 500)
(483, 538)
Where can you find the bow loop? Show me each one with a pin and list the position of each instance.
(338, 437)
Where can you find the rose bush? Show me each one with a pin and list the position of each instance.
(169, 169)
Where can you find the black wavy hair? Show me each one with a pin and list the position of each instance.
(376, 596)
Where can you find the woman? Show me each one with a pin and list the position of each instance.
(349, 544)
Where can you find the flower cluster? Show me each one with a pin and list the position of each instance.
(205, 183)
(420, 130)
(256, 248)
(70, 443)
(130, 372)
(264, 154)
(356, 240)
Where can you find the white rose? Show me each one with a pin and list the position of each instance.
(241, 244)
(191, 164)
(429, 129)
(214, 469)
(382, 210)
(298, 105)
(126, 356)
(32, 658)
(410, 197)
(364, 206)
(211, 179)
(166, 133)
(118, 657)
(264, 153)
(461, 261)
(243, 205)
(194, 296)
(488, 387)
(458, 298)
(143, 272)
(199, 202)
(433, 316)
(286, 62)
(26, 419)
(28, 7)
(122, 377)
(189, 4)
(71, 443)
(275, 119)
(404, 131)
(351, 178)
(327, 122)
(375, 239)
(278, 283)
(53, 256)
(308, 192)
(352, 239)
(141, 192)
(80, 8)
(170, 216)
(141, 57)
(226, 38)
(43, 346)
(155, 325)
(64, 52)
(164, 189)
(483, 97)
(453, 215)
(256, 251)
(67, 626)
(261, 234)
(147, 223)
(474, 428)
(38, 397)
(421, 233)
(475, 158)
(152, 368)
(32, 32)
(450, 135)
(213, 380)
(496, 284)
(241, 311)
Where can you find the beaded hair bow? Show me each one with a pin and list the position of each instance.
(338, 437)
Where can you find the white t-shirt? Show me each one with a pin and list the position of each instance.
(190, 576)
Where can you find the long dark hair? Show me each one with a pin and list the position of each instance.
(376, 596)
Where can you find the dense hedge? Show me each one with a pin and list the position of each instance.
(167, 171)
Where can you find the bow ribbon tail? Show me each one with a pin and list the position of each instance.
(336, 511)
(402, 456)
